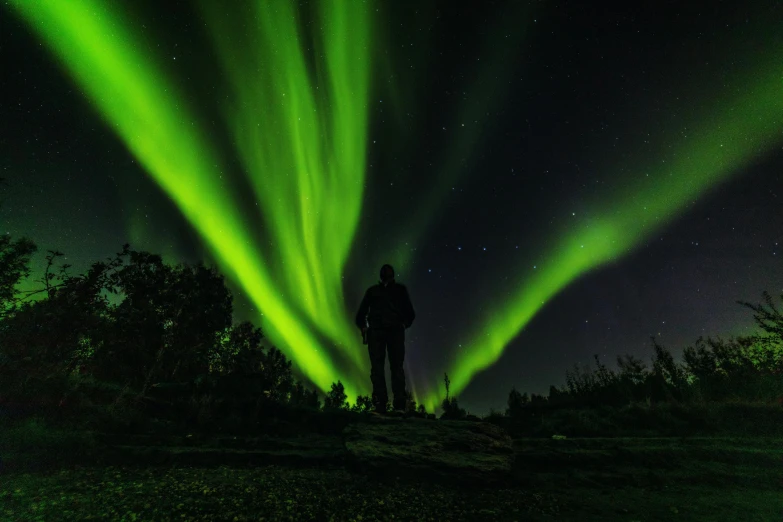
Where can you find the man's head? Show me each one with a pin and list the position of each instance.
(387, 273)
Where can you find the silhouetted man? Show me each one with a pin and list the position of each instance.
(388, 310)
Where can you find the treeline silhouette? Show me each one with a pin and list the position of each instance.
(135, 342)
(721, 385)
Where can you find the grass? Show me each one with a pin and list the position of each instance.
(715, 478)
(40, 446)
(265, 493)
(609, 479)
(699, 479)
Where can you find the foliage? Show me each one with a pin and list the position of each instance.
(450, 405)
(14, 267)
(412, 408)
(159, 337)
(165, 326)
(768, 317)
(452, 410)
(516, 403)
(133, 335)
(742, 370)
(37, 444)
(45, 341)
(336, 399)
(301, 397)
(363, 404)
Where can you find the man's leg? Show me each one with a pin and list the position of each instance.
(376, 345)
(396, 358)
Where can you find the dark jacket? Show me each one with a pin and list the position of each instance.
(386, 307)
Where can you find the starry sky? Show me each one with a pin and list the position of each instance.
(551, 180)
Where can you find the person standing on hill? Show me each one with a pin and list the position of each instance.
(384, 314)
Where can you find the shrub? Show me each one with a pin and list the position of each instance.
(363, 404)
(336, 399)
(451, 409)
(34, 444)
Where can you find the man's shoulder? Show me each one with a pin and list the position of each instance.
(379, 287)
(400, 290)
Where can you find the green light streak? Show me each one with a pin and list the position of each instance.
(138, 101)
(301, 136)
(731, 134)
(300, 129)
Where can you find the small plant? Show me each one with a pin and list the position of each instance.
(451, 409)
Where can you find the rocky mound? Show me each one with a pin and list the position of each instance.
(442, 450)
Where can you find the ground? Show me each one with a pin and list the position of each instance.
(622, 479)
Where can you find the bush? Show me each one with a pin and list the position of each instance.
(451, 410)
(336, 399)
(34, 445)
(301, 397)
(517, 403)
(363, 404)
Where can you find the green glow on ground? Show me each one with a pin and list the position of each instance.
(727, 136)
(300, 176)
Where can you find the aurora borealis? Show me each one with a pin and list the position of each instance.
(519, 165)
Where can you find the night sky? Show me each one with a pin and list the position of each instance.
(551, 180)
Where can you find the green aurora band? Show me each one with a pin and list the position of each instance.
(301, 138)
(304, 157)
(728, 134)
(299, 121)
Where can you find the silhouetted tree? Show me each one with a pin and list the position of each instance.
(557, 397)
(768, 317)
(301, 397)
(45, 341)
(537, 401)
(516, 403)
(410, 404)
(14, 266)
(452, 410)
(237, 350)
(336, 399)
(450, 405)
(581, 384)
(363, 404)
(668, 378)
(632, 379)
(167, 323)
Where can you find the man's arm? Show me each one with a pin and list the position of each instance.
(361, 315)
